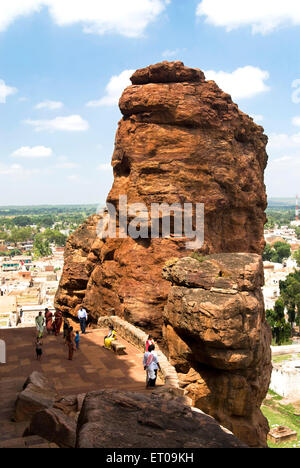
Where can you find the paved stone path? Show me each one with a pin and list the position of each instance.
(92, 368)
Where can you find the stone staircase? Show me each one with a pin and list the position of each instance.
(11, 433)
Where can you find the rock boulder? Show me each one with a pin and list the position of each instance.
(37, 394)
(219, 340)
(55, 426)
(122, 420)
(181, 140)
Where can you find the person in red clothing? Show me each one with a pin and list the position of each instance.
(58, 318)
(149, 342)
(49, 320)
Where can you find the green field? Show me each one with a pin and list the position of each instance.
(279, 414)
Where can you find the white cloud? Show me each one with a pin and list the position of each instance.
(73, 177)
(66, 165)
(72, 123)
(114, 89)
(129, 18)
(104, 167)
(296, 121)
(296, 93)
(6, 91)
(9, 170)
(282, 175)
(17, 170)
(51, 105)
(32, 152)
(262, 16)
(242, 83)
(284, 160)
(11, 9)
(172, 53)
(282, 142)
(257, 118)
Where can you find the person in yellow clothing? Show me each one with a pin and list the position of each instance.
(112, 335)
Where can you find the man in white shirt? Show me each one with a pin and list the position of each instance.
(151, 366)
(83, 316)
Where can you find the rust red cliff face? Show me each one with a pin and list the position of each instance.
(181, 140)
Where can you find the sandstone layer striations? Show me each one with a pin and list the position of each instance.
(219, 340)
(181, 140)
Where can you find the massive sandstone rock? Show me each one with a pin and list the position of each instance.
(131, 420)
(219, 340)
(181, 140)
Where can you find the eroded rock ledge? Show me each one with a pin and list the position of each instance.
(219, 340)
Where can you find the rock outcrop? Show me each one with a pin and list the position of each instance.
(49, 416)
(37, 394)
(55, 426)
(117, 419)
(181, 140)
(122, 420)
(219, 340)
(78, 265)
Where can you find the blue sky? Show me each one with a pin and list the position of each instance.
(64, 63)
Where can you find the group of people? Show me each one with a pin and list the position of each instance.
(52, 326)
(52, 323)
(150, 359)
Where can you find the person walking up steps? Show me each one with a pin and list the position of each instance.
(150, 341)
(58, 318)
(82, 316)
(77, 340)
(39, 323)
(38, 348)
(151, 366)
(66, 328)
(49, 321)
(70, 339)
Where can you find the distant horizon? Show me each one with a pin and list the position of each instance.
(46, 205)
(88, 204)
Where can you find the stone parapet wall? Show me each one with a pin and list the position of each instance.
(138, 338)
